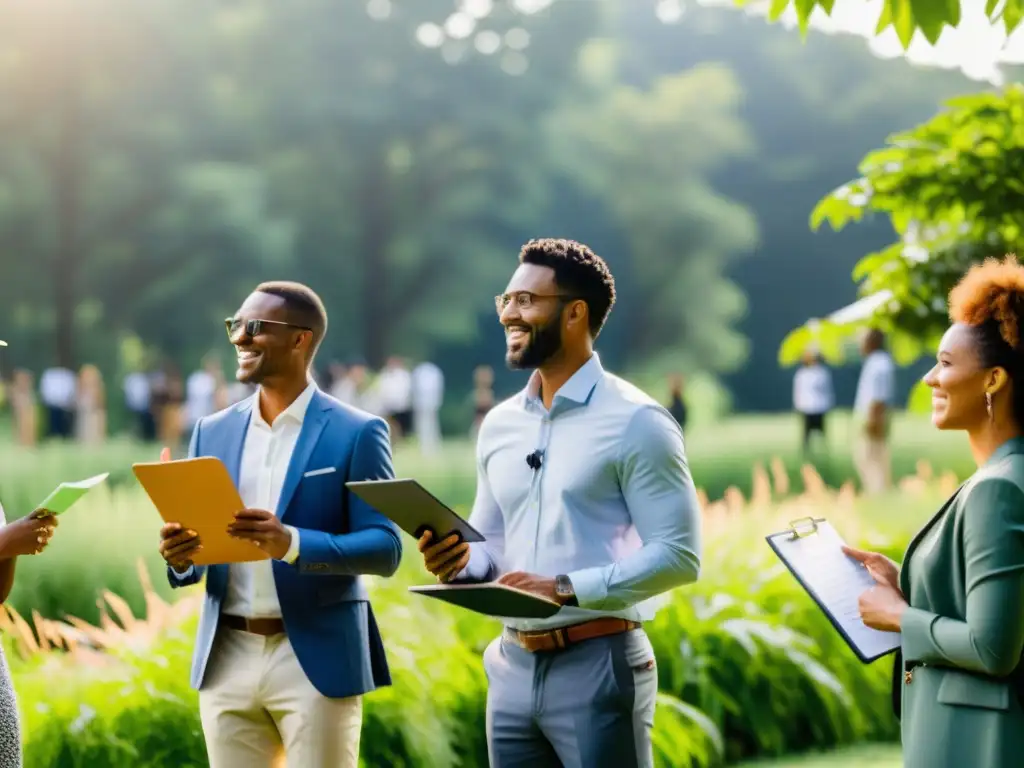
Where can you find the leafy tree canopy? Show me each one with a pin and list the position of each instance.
(931, 17)
(952, 188)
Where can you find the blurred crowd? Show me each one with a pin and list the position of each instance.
(164, 405)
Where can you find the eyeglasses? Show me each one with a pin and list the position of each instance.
(525, 299)
(234, 325)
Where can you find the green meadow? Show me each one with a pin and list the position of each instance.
(749, 669)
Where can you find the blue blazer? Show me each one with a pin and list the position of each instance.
(324, 604)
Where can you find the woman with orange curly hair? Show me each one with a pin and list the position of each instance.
(958, 600)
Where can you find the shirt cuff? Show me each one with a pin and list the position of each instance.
(479, 566)
(590, 587)
(185, 575)
(293, 549)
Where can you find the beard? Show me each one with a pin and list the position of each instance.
(544, 343)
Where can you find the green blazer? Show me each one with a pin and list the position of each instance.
(962, 636)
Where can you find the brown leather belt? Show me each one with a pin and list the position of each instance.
(563, 637)
(266, 627)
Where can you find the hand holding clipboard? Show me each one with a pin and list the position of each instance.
(814, 553)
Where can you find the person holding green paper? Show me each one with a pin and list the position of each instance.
(27, 536)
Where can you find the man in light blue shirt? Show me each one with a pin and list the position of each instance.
(585, 497)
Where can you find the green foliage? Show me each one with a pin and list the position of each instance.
(907, 17)
(680, 232)
(98, 544)
(951, 189)
(748, 666)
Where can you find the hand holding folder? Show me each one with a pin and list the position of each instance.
(199, 495)
(813, 552)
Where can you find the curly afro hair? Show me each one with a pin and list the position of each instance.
(992, 291)
(579, 271)
(990, 299)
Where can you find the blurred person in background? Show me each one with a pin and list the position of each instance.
(813, 396)
(676, 403)
(57, 388)
(24, 408)
(204, 392)
(342, 387)
(287, 646)
(483, 396)
(876, 391)
(427, 399)
(90, 406)
(167, 398)
(394, 395)
(958, 599)
(137, 399)
(585, 499)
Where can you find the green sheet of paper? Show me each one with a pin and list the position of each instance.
(66, 494)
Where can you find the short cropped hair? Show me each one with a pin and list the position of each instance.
(303, 305)
(579, 271)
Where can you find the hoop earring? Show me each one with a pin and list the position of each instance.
(988, 404)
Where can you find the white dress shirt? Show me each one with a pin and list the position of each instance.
(812, 390)
(612, 505)
(877, 382)
(266, 454)
(427, 387)
(394, 388)
(58, 387)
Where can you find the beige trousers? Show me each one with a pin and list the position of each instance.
(871, 458)
(259, 709)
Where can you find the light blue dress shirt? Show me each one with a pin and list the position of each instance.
(612, 505)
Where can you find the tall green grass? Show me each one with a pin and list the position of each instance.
(748, 666)
(96, 545)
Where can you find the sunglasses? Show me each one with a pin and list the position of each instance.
(235, 325)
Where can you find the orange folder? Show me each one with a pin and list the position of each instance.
(199, 495)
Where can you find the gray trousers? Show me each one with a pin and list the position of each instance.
(588, 706)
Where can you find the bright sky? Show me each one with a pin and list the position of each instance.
(976, 47)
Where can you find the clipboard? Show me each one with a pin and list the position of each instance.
(200, 495)
(804, 548)
(413, 508)
(491, 599)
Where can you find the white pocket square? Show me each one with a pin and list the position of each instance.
(324, 471)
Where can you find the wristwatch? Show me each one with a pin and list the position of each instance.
(565, 591)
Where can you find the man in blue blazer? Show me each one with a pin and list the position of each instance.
(287, 646)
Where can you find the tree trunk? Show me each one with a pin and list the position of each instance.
(66, 177)
(376, 225)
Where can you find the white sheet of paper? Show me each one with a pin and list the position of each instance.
(837, 581)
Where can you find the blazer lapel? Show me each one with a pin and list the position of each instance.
(312, 427)
(904, 584)
(233, 450)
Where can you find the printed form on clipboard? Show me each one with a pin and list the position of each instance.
(812, 551)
